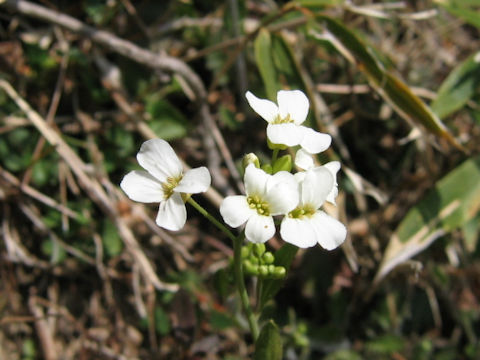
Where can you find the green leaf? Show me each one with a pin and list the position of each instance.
(221, 320)
(263, 57)
(269, 343)
(343, 355)
(283, 163)
(467, 10)
(459, 87)
(387, 344)
(283, 257)
(453, 202)
(390, 87)
(162, 321)
(111, 240)
(320, 3)
(166, 121)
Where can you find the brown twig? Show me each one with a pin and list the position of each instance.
(35, 194)
(90, 186)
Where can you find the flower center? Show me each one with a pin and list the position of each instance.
(169, 185)
(256, 203)
(287, 119)
(302, 212)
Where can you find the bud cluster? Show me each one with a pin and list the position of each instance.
(259, 262)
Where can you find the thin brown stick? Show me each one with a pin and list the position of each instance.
(90, 186)
(43, 331)
(35, 194)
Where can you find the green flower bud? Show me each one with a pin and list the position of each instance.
(254, 260)
(271, 269)
(263, 270)
(250, 158)
(250, 268)
(245, 252)
(259, 249)
(279, 272)
(268, 258)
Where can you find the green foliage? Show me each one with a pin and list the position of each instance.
(162, 321)
(269, 343)
(461, 85)
(166, 121)
(451, 204)
(385, 345)
(467, 10)
(111, 240)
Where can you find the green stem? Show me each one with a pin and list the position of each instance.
(209, 217)
(238, 266)
(240, 282)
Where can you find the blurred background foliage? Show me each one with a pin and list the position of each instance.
(396, 83)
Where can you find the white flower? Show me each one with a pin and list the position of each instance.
(164, 182)
(305, 161)
(306, 225)
(285, 121)
(266, 196)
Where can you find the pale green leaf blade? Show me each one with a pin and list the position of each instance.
(389, 86)
(263, 57)
(467, 10)
(453, 202)
(459, 87)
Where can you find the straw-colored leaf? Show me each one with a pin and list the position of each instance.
(451, 204)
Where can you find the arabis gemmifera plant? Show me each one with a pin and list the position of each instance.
(274, 195)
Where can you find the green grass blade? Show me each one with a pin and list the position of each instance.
(389, 86)
(265, 63)
(459, 87)
(453, 202)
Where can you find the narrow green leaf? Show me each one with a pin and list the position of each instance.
(269, 343)
(266, 66)
(467, 10)
(453, 202)
(459, 87)
(283, 257)
(389, 86)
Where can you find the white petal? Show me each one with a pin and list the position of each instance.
(294, 103)
(195, 181)
(298, 232)
(259, 228)
(315, 187)
(303, 159)
(285, 134)
(158, 158)
(235, 210)
(141, 186)
(282, 193)
(172, 213)
(313, 141)
(333, 167)
(255, 180)
(331, 233)
(265, 108)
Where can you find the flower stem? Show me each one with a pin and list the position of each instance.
(238, 266)
(209, 217)
(240, 283)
